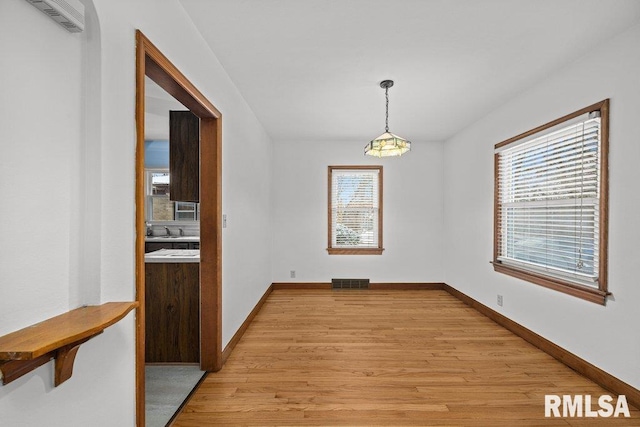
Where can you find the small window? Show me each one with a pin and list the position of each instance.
(551, 204)
(186, 211)
(159, 207)
(355, 210)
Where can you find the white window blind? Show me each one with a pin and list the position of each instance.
(355, 208)
(548, 199)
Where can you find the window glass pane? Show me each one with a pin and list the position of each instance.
(185, 211)
(159, 183)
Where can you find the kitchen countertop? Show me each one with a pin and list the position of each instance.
(172, 239)
(173, 256)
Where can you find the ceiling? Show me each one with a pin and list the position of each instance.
(311, 69)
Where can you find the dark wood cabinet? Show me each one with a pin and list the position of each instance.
(156, 246)
(172, 306)
(184, 156)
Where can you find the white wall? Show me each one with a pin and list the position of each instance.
(43, 219)
(67, 181)
(39, 162)
(605, 336)
(412, 214)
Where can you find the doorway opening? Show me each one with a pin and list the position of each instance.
(151, 63)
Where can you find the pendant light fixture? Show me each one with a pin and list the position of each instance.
(387, 144)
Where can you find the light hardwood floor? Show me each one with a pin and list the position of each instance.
(321, 357)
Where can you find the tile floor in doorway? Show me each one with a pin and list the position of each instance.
(167, 386)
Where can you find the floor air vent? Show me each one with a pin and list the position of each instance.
(349, 283)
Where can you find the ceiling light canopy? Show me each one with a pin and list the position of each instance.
(387, 144)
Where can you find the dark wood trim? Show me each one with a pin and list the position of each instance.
(410, 286)
(582, 292)
(604, 197)
(301, 285)
(162, 71)
(380, 209)
(140, 229)
(211, 244)
(576, 363)
(356, 251)
(173, 364)
(242, 329)
(387, 286)
(599, 295)
(593, 107)
(152, 63)
(497, 220)
(329, 206)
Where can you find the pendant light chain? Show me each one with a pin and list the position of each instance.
(386, 117)
(387, 144)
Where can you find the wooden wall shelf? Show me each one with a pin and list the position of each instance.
(57, 338)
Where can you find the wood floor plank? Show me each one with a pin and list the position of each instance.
(320, 357)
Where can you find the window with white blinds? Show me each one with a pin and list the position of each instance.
(550, 191)
(355, 209)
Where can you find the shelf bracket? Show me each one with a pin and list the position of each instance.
(65, 357)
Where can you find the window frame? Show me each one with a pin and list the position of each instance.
(355, 250)
(597, 295)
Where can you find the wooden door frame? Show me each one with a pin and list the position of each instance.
(152, 63)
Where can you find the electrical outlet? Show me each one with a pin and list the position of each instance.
(500, 301)
(293, 274)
